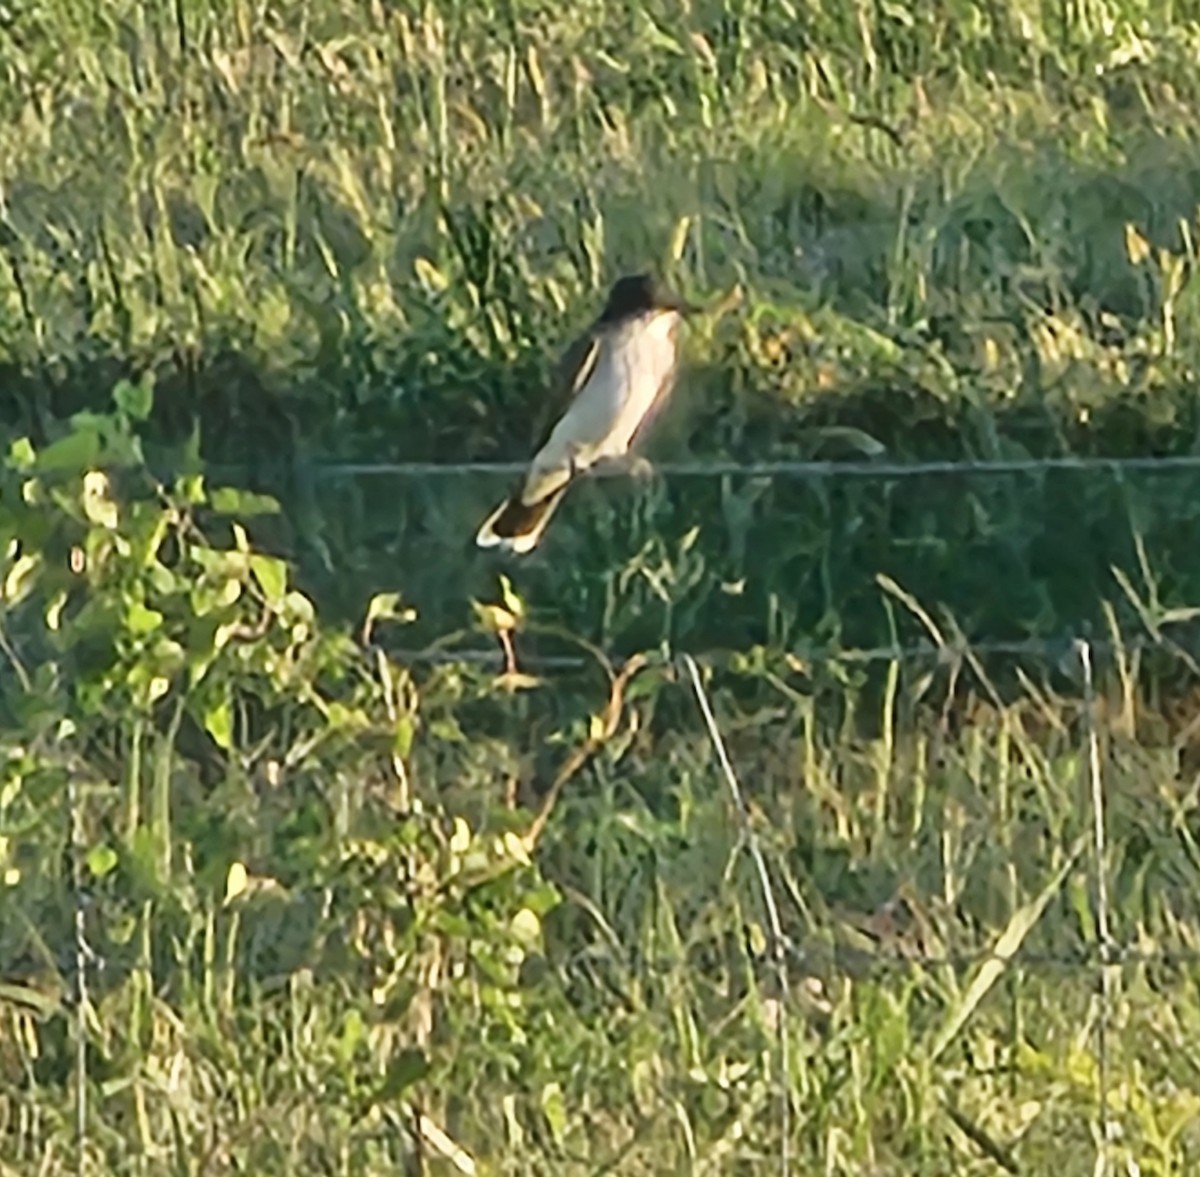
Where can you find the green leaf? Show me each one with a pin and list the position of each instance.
(271, 574)
(208, 598)
(402, 741)
(190, 488)
(160, 578)
(299, 607)
(101, 859)
(554, 1108)
(408, 1067)
(228, 500)
(78, 450)
(20, 576)
(385, 607)
(135, 400)
(236, 881)
(139, 619)
(218, 720)
(21, 454)
(353, 1033)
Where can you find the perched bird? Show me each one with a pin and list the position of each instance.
(615, 378)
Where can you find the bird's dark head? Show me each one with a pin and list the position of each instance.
(639, 294)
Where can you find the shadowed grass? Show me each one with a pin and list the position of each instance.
(358, 231)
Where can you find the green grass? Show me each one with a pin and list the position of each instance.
(360, 232)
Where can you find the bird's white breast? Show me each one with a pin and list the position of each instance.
(634, 361)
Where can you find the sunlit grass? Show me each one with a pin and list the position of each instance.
(362, 231)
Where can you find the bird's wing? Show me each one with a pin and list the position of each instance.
(571, 375)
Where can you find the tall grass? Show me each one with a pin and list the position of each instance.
(346, 905)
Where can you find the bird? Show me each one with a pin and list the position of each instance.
(615, 378)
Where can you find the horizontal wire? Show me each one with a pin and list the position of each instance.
(783, 468)
(947, 654)
(1083, 958)
(845, 959)
(822, 951)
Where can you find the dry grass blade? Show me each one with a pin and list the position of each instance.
(982, 1140)
(1022, 922)
(342, 246)
(1108, 1128)
(596, 740)
(774, 924)
(446, 1148)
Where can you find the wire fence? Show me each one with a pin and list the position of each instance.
(987, 968)
(1049, 651)
(784, 468)
(1105, 958)
(1079, 654)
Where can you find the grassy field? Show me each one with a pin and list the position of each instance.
(333, 873)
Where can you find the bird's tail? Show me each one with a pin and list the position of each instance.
(517, 525)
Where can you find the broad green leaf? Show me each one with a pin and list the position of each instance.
(139, 619)
(161, 578)
(526, 926)
(21, 454)
(228, 500)
(271, 574)
(229, 592)
(298, 607)
(190, 488)
(77, 450)
(135, 400)
(101, 860)
(207, 598)
(223, 563)
(409, 1066)
(218, 720)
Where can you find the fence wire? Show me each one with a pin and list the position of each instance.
(1054, 651)
(1107, 957)
(783, 468)
(1104, 957)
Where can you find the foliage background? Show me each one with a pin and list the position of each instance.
(241, 240)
